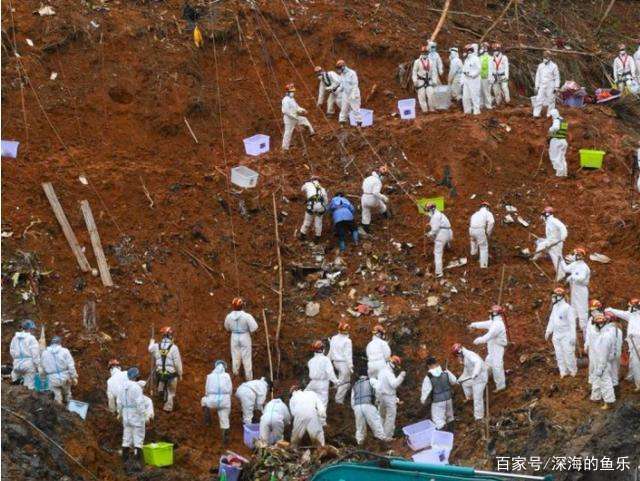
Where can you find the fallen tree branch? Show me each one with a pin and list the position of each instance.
(452, 12)
(553, 50)
(440, 23)
(207, 268)
(280, 283)
(495, 22)
(606, 14)
(191, 130)
(146, 193)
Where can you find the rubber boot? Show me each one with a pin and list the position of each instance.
(125, 455)
(342, 245)
(316, 240)
(139, 462)
(225, 437)
(366, 228)
(450, 427)
(302, 236)
(355, 237)
(206, 416)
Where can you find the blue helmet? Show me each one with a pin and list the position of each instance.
(28, 324)
(56, 340)
(133, 373)
(218, 362)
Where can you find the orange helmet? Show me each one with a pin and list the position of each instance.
(383, 169)
(580, 251)
(317, 69)
(496, 309)
(548, 210)
(317, 346)
(290, 88)
(237, 303)
(379, 330)
(113, 363)
(595, 304)
(166, 331)
(424, 48)
(340, 63)
(635, 302)
(497, 46)
(344, 327)
(456, 348)
(622, 46)
(599, 319)
(395, 360)
(484, 203)
(559, 291)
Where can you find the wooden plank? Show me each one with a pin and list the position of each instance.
(105, 275)
(66, 227)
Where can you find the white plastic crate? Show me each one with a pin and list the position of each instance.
(432, 456)
(419, 434)
(442, 96)
(367, 117)
(407, 109)
(442, 439)
(10, 148)
(256, 144)
(244, 177)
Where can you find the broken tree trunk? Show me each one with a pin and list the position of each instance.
(440, 23)
(105, 275)
(66, 227)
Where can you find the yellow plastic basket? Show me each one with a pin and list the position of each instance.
(591, 159)
(158, 454)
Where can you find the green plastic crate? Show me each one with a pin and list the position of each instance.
(591, 159)
(422, 203)
(158, 454)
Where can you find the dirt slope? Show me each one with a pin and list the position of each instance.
(117, 110)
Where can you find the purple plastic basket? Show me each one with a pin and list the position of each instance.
(574, 101)
(251, 433)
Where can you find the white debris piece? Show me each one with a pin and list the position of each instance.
(312, 309)
(601, 258)
(53, 76)
(508, 219)
(432, 301)
(457, 263)
(29, 42)
(523, 222)
(510, 208)
(46, 11)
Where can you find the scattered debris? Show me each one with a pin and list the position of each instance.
(53, 76)
(312, 309)
(523, 222)
(45, 11)
(457, 263)
(601, 258)
(432, 301)
(508, 219)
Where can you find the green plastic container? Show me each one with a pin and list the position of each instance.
(422, 203)
(158, 454)
(591, 159)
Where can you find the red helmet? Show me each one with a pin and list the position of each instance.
(113, 363)
(340, 63)
(378, 329)
(166, 331)
(635, 302)
(484, 203)
(290, 88)
(344, 327)
(237, 303)
(317, 69)
(560, 291)
(430, 206)
(595, 304)
(395, 360)
(580, 251)
(456, 348)
(496, 309)
(317, 346)
(548, 210)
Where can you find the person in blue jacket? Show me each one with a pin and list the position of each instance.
(342, 213)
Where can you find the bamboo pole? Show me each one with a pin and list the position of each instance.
(440, 23)
(266, 335)
(280, 283)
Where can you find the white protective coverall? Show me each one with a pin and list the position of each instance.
(309, 416)
(562, 330)
(555, 235)
(633, 340)
(578, 278)
(636, 57)
(441, 233)
(252, 395)
(486, 99)
(366, 413)
(58, 365)
(388, 383)
(614, 364)
(321, 373)
(217, 394)
(480, 229)
(557, 146)
(328, 86)
(116, 381)
(378, 353)
(273, 421)
(316, 205)
(496, 341)
(455, 75)
(241, 324)
(425, 76)
(168, 360)
(341, 355)
(604, 352)
(441, 411)
(349, 95)
(500, 72)
(473, 380)
(292, 116)
(132, 410)
(624, 71)
(547, 82)
(590, 335)
(471, 83)
(25, 352)
(372, 199)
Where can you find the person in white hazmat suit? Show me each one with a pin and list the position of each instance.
(252, 396)
(316, 201)
(480, 230)
(328, 86)
(349, 93)
(558, 143)
(388, 383)
(341, 355)
(168, 366)
(603, 350)
(555, 235)
(471, 81)
(561, 328)
(438, 384)
(241, 325)
(614, 330)
(632, 316)
(117, 379)
(292, 116)
(590, 333)
(275, 418)
(473, 379)
(636, 58)
(60, 369)
(321, 373)
(132, 411)
(425, 76)
(441, 234)
(547, 83)
(496, 341)
(378, 351)
(309, 416)
(373, 200)
(25, 352)
(454, 77)
(624, 70)
(217, 397)
(363, 395)
(577, 276)
(486, 77)
(500, 72)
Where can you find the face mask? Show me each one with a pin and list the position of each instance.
(545, 60)
(555, 299)
(622, 53)
(290, 94)
(598, 325)
(436, 371)
(424, 54)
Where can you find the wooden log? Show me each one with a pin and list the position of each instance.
(105, 275)
(66, 227)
